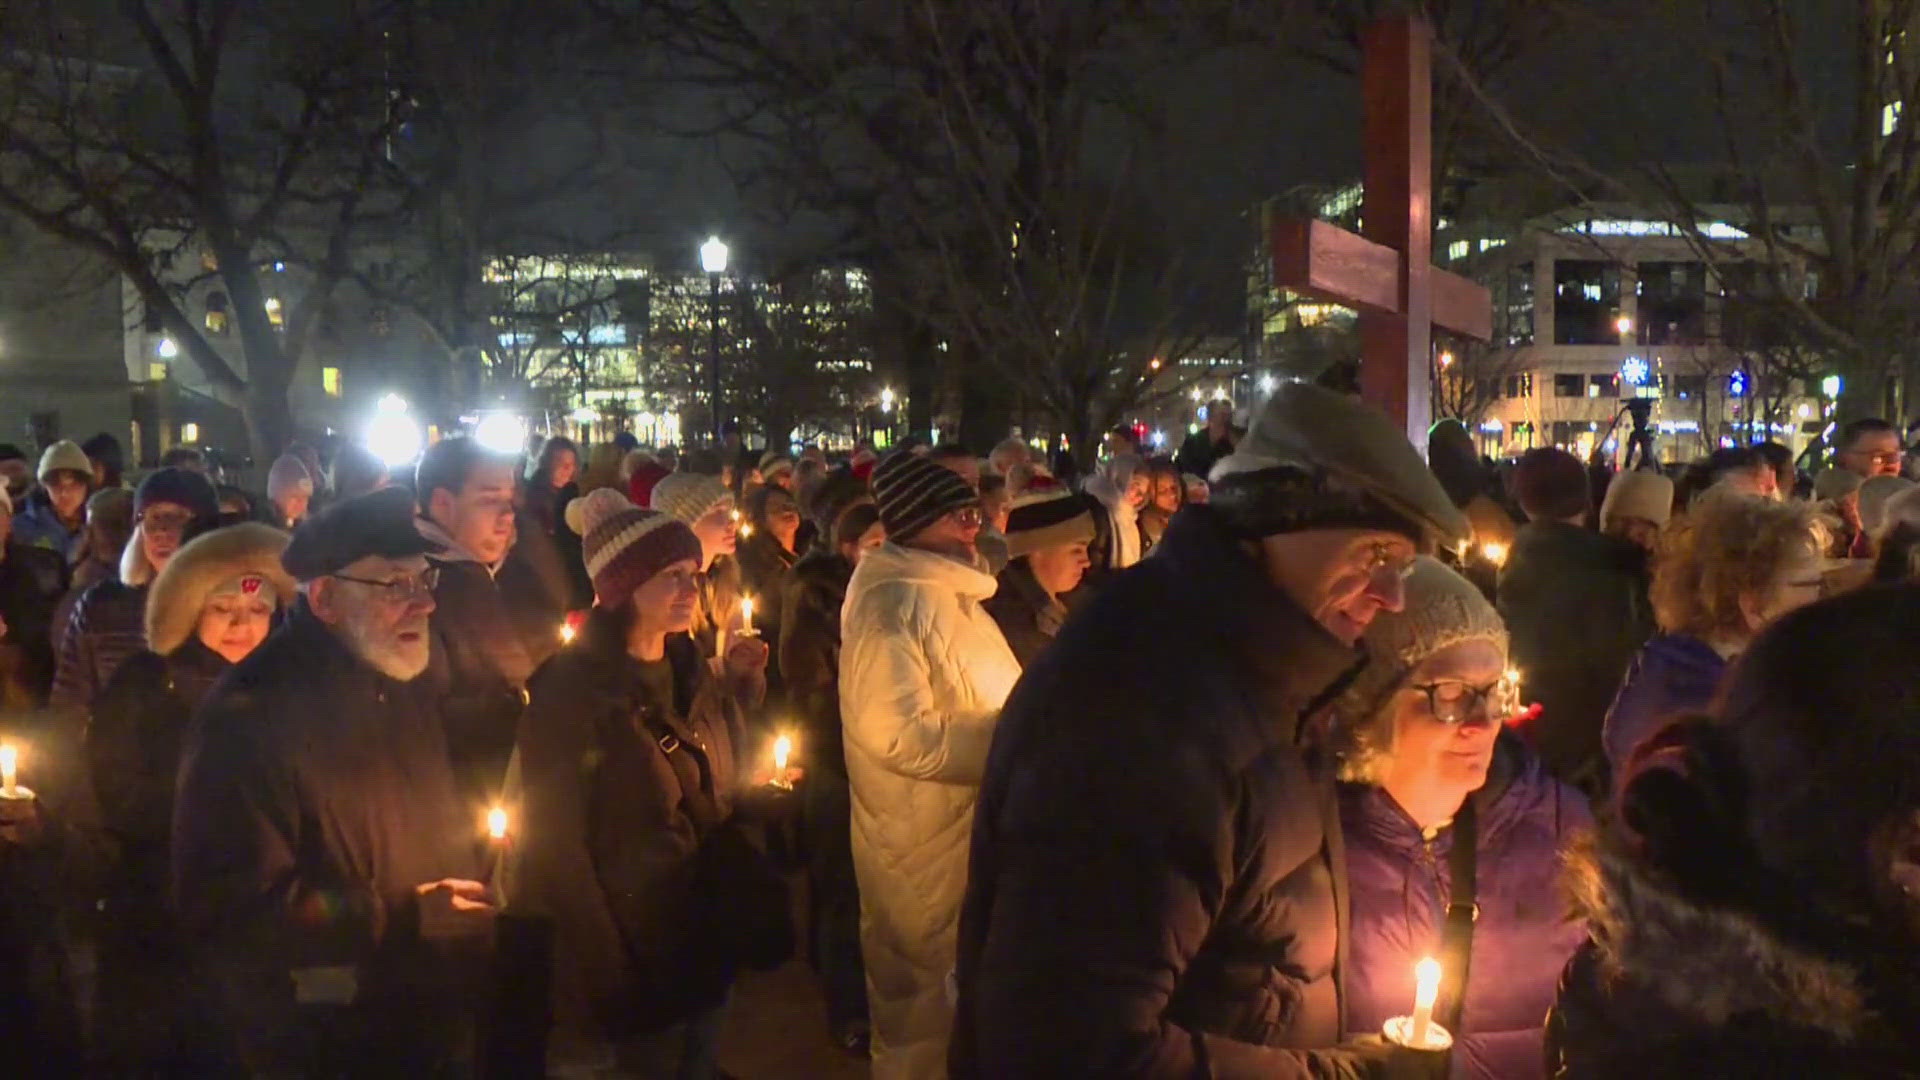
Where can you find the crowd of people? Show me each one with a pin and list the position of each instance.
(511, 764)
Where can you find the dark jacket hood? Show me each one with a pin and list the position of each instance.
(1708, 966)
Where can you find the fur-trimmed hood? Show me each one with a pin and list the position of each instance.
(203, 564)
(1708, 966)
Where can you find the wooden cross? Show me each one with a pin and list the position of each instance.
(1387, 273)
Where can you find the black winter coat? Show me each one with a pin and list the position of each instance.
(108, 625)
(1575, 605)
(622, 791)
(1027, 616)
(32, 582)
(1155, 883)
(764, 567)
(810, 654)
(484, 651)
(315, 796)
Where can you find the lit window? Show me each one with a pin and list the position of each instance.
(216, 322)
(1459, 249)
(156, 372)
(274, 313)
(189, 433)
(1889, 118)
(330, 381)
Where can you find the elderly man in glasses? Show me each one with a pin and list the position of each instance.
(324, 868)
(923, 671)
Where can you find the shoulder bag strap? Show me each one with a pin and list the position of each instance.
(1463, 908)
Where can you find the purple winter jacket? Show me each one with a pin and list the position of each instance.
(1398, 889)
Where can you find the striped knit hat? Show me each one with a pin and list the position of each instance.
(1044, 517)
(686, 497)
(913, 493)
(625, 545)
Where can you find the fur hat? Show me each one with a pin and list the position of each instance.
(1642, 493)
(625, 545)
(1831, 484)
(913, 493)
(1047, 517)
(1550, 483)
(243, 558)
(1875, 493)
(288, 477)
(1443, 609)
(1318, 459)
(687, 497)
(64, 456)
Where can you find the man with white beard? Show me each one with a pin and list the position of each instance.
(324, 870)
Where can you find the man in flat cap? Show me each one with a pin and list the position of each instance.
(1155, 883)
(324, 869)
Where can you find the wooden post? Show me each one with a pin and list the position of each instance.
(1397, 212)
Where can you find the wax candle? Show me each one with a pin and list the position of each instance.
(497, 824)
(1426, 976)
(1495, 552)
(782, 750)
(497, 839)
(746, 617)
(9, 771)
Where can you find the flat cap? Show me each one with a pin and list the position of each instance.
(377, 524)
(1318, 431)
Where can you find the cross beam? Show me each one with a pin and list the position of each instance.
(1387, 273)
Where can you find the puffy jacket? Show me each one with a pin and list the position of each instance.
(764, 566)
(38, 526)
(1674, 674)
(1400, 885)
(1156, 884)
(1575, 604)
(107, 626)
(923, 672)
(32, 582)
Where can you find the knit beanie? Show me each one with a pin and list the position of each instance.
(687, 497)
(181, 487)
(1642, 493)
(1874, 494)
(67, 456)
(1045, 517)
(1551, 484)
(913, 493)
(624, 545)
(1830, 484)
(1442, 609)
(288, 477)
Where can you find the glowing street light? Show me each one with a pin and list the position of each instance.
(393, 435)
(502, 433)
(1624, 324)
(886, 399)
(713, 259)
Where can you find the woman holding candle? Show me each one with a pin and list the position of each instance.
(631, 836)
(702, 503)
(1421, 738)
(212, 605)
(768, 555)
(1755, 897)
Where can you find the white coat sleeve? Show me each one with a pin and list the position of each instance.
(888, 704)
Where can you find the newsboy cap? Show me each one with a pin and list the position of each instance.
(377, 524)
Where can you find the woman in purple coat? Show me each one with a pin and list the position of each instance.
(1425, 764)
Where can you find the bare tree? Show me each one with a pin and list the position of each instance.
(249, 134)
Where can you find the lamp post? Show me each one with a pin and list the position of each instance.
(713, 259)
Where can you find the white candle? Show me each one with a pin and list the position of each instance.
(1426, 975)
(497, 824)
(746, 617)
(9, 771)
(1495, 552)
(782, 750)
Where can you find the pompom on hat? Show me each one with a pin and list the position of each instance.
(624, 545)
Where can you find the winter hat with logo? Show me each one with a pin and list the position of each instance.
(913, 493)
(66, 456)
(1044, 517)
(239, 560)
(288, 477)
(181, 487)
(1442, 609)
(687, 497)
(1642, 493)
(625, 545)
(1318, 459)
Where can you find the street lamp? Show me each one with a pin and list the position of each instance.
(713, 259)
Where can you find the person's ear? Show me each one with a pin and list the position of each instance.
(320, 600)
(440, 504)
(1753, 610)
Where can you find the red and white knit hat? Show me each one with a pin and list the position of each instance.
(625, 545)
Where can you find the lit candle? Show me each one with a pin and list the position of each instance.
(9, 771)
(567, 633)
(1494, 552)
(782, 751)
(746, 531)
(498, 840)
(497, 824)
(746, 617)
(1426, 975)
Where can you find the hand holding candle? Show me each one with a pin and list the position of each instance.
(782, 751)
(746, 618)
(9, 771)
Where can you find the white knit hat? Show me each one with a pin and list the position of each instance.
(687, 497)
(1642, 493)
(64, 455)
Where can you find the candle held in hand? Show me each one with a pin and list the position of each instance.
(782, 750)
(1426, 976)
(497, 823)
(9, 770)
(1494, 552)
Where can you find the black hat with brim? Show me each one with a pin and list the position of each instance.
(378, 524)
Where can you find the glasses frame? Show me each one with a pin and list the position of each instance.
(1478, 701)
(401, 590)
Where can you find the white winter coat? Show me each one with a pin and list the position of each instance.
(923, 673)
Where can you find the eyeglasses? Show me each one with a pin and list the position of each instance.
(402, 589)
(165, 520)
(1456, 702)
(1382, 556)
(1890, 457)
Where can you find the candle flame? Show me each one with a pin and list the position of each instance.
(1426, 976)
(9, 766)
(497, 823)
(568, 633)
(746, 530)
(782, 750)
(746, 611)
(1495, 552)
